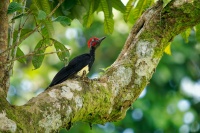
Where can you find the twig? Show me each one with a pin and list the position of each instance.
(26, 19)
(32, 54)
(19, 30)
(40, 48)
(21, 40)
(37, 25)
(17, 39)
(53, 11)
(12, 29)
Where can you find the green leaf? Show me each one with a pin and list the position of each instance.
(34, 9)
(108, 16)
(68, 4)
(117, 4)
(141, 6)
(198, 32)
(186, 34)
(63, 20)
(78, 12)
(13, 7)
(88, 18)
(49, 30)
(37, 5)
(96, 5)
(39, 49)
(107, 8)
(166, 2)
(46, 6)
(135, 13)
(127, 13)
(41, 15)
(24, 32)
(20, 53)
(63, 53)
(85, 3)
(108, 25)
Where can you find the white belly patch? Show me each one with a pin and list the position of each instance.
(84, 70)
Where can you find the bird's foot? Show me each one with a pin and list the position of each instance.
(85, 79)
(95, 79)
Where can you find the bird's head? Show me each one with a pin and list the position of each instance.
(95, 42)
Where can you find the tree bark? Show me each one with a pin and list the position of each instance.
(4, 77)
(109, 97)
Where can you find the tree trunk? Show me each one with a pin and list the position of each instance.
(4, 77)
(109, 97)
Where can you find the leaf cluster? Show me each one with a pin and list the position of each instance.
(46, 12)
(42, 12)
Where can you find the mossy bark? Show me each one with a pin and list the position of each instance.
(109, 97)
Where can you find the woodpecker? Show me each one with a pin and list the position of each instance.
(80, 65)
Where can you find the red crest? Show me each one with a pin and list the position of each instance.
(92, 41)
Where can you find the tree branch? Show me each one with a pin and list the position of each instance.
(53, 11)
(109, 97)
(33, 54)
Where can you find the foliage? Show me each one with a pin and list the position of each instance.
(46, 12)
(165, 2)
(168, 49)
(140, 7)
(20, 54)
(198, 32)
(63, 53)
(13, 7)
(64, 21)
(39, 49)
(186, 34)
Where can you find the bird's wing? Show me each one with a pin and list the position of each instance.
(72, 68)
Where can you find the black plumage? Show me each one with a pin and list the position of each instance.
(73, 67)
(78, 63)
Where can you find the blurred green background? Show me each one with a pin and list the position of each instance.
(169, 104)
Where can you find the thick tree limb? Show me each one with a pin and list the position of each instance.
(109, 97)
(4, 76)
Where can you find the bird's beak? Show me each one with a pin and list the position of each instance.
(101, 39)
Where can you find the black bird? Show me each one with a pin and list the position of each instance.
(80, 65)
